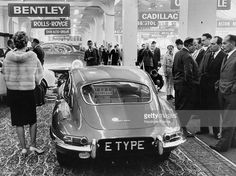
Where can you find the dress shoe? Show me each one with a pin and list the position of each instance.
(218, 148)
(36, 150)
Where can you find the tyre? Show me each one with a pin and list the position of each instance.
(165, 156)
(63, 159)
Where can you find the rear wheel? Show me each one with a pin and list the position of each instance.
(165, 156)
(63, 159)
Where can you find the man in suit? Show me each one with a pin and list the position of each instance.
(10, 46)
(186, 79)
(199, 52)
(140, 51)
(179, 44)
(91, 55)
(209, 75)
(206, 41)
(147, 59)
(227, 95)
(38, 50)
(156, 54)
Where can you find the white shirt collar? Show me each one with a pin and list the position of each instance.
(216, 53)
(186, 48)
(231, 52)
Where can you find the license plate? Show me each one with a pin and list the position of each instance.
(125, 145)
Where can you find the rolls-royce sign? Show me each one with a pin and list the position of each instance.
(38, 10)
(50, 23)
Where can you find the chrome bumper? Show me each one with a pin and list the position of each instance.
(62, 144)
(173, 144)
(93, 146)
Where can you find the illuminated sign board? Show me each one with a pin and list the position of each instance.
(159, 16)
(226, 23)
(57, 31)
(38, 10)
(150, 19)
(50, 24)
(221, 4)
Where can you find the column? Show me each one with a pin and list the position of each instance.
(130, 23)
(197, 17)
(99, 30)
(109, 25)
(93, 32)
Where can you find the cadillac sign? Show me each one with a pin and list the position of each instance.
(38, 10)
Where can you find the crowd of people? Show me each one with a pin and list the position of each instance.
(202, 73)
(103, 55)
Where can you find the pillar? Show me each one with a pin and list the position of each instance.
(197, 17)
(99, 30)
(130, 28)
(109, 27)
(93, 32)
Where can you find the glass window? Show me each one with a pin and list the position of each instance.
(115, 92)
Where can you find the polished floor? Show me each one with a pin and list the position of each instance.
(192, 158)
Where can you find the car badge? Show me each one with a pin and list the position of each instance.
(115, 119)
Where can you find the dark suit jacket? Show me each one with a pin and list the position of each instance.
(200, 56)
(40, 53)
(147, 58)
(185, 69)
(156, 57)
(227, 83)
(210, 74)
(140, 59)
(91, 57)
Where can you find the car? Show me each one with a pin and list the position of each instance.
(109, 111)
(57, 61)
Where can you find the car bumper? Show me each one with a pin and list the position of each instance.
(92, 148)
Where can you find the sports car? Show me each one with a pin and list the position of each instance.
(106, 111)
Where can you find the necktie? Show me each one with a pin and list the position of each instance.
(210, 60)
(225, 59)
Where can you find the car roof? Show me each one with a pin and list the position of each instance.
(110, 73)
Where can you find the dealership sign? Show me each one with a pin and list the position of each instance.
(38, 10)
(50, 24)
(159, 16)
(150, 19)
(57, 31)
(221, 4)
(226, 23)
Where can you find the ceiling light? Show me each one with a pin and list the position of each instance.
(76, 12)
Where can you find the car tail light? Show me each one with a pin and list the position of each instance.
(84, 141)
(172, 137)
(76, 140)
(68, 139)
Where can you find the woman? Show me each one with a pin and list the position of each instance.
(22, 71)
(167, 68)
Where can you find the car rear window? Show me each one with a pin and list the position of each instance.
(115, 92)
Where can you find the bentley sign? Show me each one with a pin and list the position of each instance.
(38, 10)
